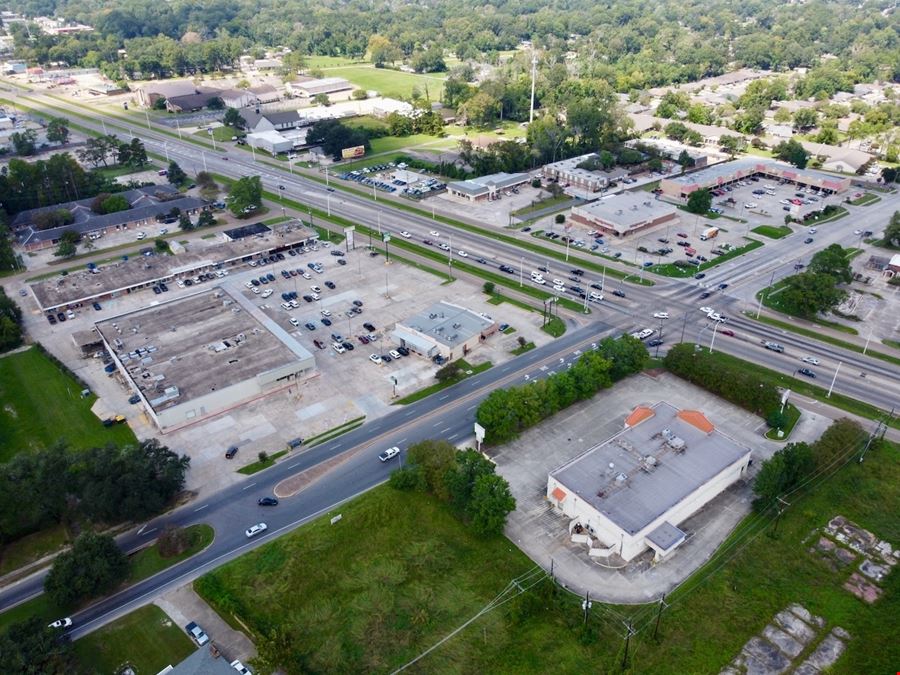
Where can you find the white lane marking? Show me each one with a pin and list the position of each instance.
(452, 437)
(471, 407)
(201, 508)
(293, 466)
(444, 431)
(149, 531)
(437, 424)
(247, 487)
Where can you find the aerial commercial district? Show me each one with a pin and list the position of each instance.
(456, 337)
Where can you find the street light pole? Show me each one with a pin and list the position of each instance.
(867, 341)
(833, 379)
(521, 262)
(713, 340)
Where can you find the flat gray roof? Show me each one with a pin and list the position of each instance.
(199, 343)
(140, 270)
(484, 184)
(448, 324)
(666, 536)
(726, 170)
(616, 479)
(626, 209)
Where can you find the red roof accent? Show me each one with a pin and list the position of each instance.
(638, 415)
(558, 494)
(697, 419)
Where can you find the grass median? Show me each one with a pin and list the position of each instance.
(259, 465)
(334, 432)
(467, 371)
(673, 270)
(773, 232)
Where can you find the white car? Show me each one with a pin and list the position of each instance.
(305, 275)
(707, 310)
(325, 312)
(141, 235)
(405, 234)
(254, 530)
(389, 454)
(660, 315)
(164, 230)
(240, 667)
(715, 316)
(316, 289)
(857, 232)
(462, 254)
(559, 288)
(435, 233)
(374, 358)
(750, 205)
(295, 323)
(394, 354)
(813, 361)
(338, 347)
(61, 623)
(559, 282)
(644, 334)
(315, 296)
(812, 230)
(785, 202)
(255, 290)
(540, 281)
(443, 247)
(326, 244)
(266, 293)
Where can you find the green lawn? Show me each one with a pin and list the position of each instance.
(821, 220)
(34, 417)
(147, 562)
(39, 606)
(391, 83)
(866, 199)
(221, 134)
(120, 170)
(791, 416)
(424, 575)
(393, 143)
(316, 61)
(773, 232)
(35, 546)
(521, 349)
(362, 164)
(892, 343)
(258, 466)
(555, 327)
(543, 204)
(146, 639)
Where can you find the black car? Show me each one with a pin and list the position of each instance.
(348, 346)
(326, 321)
(280, 256)
(386, 358)
(704, 295)
(577, 272)
(342, 262)
(599, 287)
(134, 399)
(337, 254)
(157, 290)
(267, 501)
(722, 287)
(700, 275)
(319, 344)
(255, 282)
(403, 351)
(97, 306)
(481, 260)
(162, 287)
(310, 326)
(330, 284)
(231, 452)
(618, 293)
(51, 318)
(808, 240)
(369, 327)
(270, 276)
(358, 303)
(654, 342)
(292, 252)
(807, 372)
(308, 298)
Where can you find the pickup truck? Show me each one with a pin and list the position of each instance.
(774, 346)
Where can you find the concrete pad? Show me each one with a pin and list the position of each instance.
(792, 624)
(183, 605)
(763, 658)
(828, 651)
(783, 641)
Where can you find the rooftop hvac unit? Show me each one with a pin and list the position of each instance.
(621, 478)
(677, 444)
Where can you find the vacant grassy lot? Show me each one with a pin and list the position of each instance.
(391, 83)
(40, 405)
(33, 547)
(393, 143)
(146, 639)
(399, 572)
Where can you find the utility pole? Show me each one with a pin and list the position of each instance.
(628, 634)
(662, 603)
(782, 505)
(833, 379)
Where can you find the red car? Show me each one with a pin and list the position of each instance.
(727, 332)
(363, 339)
(683, 235)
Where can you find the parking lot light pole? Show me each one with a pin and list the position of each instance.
(834, 379)
(713, 339)
(521, 263)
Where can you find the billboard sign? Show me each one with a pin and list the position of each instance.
(354, 152)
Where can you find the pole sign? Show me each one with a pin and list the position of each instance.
(479, 433)
(348, 235)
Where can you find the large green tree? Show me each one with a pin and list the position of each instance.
(67, 245)
(793, 152)
(58, 130)
(892, 232)
(808, 294)
(245, 194)
(30, 647)
(490, 503)
(699, 201)
(93, 566)
(833, 261)
(175, 174)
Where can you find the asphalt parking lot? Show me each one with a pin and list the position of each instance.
(345, 387)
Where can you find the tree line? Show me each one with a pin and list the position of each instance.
(107, 485)
(507, 412)
(465, 480)
(735, 385)
(10, 323)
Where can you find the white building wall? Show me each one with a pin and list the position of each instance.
(610, 534)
